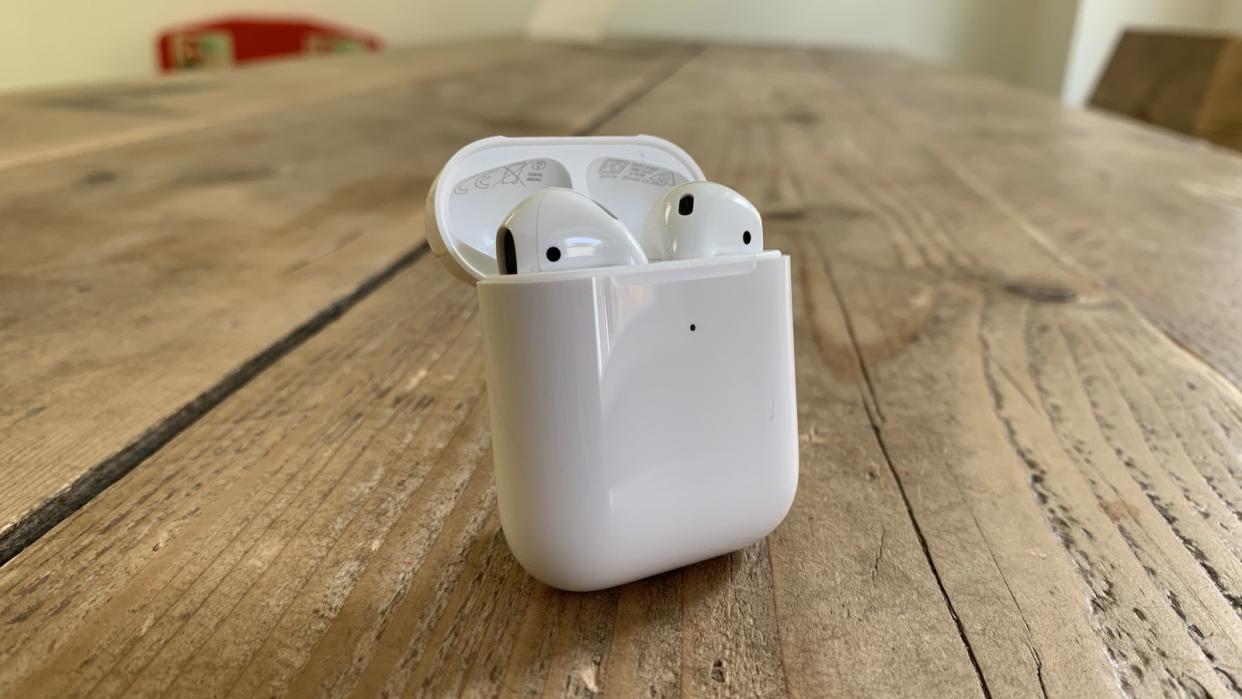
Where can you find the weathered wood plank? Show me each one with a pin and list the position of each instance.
(859, 609)
(1152, 214)
(56, 123)
(136, 282)
(1012, 484)
(886, 206)
(1017, 399)
(355, 549)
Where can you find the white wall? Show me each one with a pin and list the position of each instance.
(1048, 54)
(570, 20)
(1229, 16)
(50, 42)
(994, 37)
(1059, 47)
(1056, 46)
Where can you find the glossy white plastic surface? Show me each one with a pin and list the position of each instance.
(556, 229)
(643, 416)
(701, 219)
(627, 443)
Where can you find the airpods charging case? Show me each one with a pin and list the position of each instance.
(643, 417)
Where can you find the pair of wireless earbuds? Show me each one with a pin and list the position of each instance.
(560, 229)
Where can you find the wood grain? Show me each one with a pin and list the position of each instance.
(903, 230)
(1028, 436)
(1139, 209)
(57, 123)
(138, 282)
(356, 549)
(1016, 479)
(848, 561)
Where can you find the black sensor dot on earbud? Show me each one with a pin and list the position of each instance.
(685, 205)
(554, 254)
(746, 237)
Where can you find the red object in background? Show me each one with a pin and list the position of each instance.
(230, 41)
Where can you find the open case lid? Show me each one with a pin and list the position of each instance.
(483, 181)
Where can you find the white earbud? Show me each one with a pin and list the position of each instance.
(555, 229)
(701, 219)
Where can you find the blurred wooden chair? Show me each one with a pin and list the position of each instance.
(1190, 83)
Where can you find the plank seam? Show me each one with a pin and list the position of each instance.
(41, 519)
(96, 479)
(892, 468)
(780, 645)
(643, 89)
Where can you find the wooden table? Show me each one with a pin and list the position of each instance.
(244, 441)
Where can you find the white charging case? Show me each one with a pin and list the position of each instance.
(643, 417)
